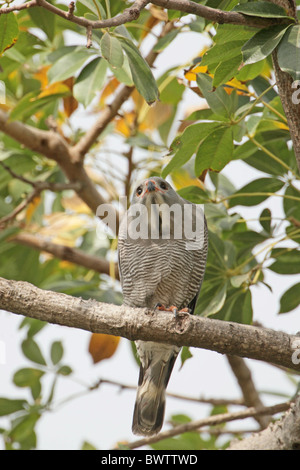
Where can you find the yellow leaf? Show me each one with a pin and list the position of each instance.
(64, 228)
(149, 25)
(31, 208)
(109, 88)
(75, 204)
(181, 179)
(191, 73)
(235, 84)
(53, 89)
(41, 75)
(159, 13)
(70, 103)
(102, 346)
(155, 116)
(125, 123)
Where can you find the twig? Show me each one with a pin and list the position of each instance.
(89, 35)
(8, 218)
(208, 401)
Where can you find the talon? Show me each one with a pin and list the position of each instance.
(160, 306)
(185, 310)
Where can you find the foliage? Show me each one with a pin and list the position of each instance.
(49, 82)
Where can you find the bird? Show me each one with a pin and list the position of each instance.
(162, 252)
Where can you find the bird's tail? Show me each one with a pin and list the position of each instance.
(157, 361)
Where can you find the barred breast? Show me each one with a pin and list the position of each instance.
(161, 271)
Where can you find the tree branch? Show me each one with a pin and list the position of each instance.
(138, 323)
(52, 145)
(284, 82)
(281, 435)
(244, 378)
(73, 255)
(133, 12)
(130, 14)
(218, 16)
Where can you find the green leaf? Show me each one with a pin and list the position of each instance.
(226, 70)
(32, 351)
(250, 71)
(237, 308)
(186, 144)
(185, 354)
(57, 352)
(222, 52)
(261, 9)
(289, 52)
(9, 31)
(141, 73)
(265, 220)
(163, 42)
(27, 377)
(65, 370)
(291, 206)
(255, 192)
(287, 261)
(290, 299)
(8, 406)
(68, 65)
(216, 299)
(194, 194)
(23, 430)
(44, 20)
(215, 151)
(90, 80)
(111, 50)
(218, 100)
(262, 43)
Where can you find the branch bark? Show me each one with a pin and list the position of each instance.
(52, 145)
(133, 12)
(281, 435)
(138, 323)
(73, 255)
(244, 379)
(216, 15)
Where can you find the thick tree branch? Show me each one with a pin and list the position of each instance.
(53, 146)
(138, 323)
(281, 435)
(244, 378)
(217, 16)
(286, 90)
(73, 255)
(133, 12)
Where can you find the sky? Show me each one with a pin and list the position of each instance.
(103, 417)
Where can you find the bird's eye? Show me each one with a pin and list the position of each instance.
(163, 185)
(139, 190)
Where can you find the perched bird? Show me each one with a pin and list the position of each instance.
(162, 250)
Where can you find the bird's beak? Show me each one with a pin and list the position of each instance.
(151, 186)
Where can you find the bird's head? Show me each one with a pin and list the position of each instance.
(154, 190)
